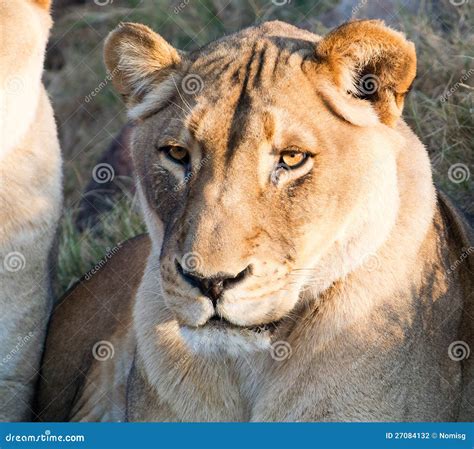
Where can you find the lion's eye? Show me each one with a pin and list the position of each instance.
(176, 153)
(292, 159)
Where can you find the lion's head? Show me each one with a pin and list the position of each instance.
(266, 165)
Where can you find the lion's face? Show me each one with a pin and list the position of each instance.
(260, 180)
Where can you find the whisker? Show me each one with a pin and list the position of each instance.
(180, 96)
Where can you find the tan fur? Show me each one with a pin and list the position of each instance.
(385, 53)
(349, 254)
(46, 4)
(30, 199)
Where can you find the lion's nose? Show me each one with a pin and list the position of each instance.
(213, 286)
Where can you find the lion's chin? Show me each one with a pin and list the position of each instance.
(219, 337)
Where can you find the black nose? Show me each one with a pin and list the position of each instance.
(213, 286)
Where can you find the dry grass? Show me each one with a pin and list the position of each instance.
(442, 32)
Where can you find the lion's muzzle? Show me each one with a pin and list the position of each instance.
(212, 286)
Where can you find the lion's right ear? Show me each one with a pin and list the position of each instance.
(372, 62)
(138, 58)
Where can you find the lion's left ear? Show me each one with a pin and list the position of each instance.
(138, 58)
(372, 62)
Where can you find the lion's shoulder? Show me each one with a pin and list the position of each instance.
(88, 326)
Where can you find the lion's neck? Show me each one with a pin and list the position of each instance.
(20, 95)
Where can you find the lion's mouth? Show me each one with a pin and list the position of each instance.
(219, 322)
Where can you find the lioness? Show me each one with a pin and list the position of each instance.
(30, 200)
(300, 265)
